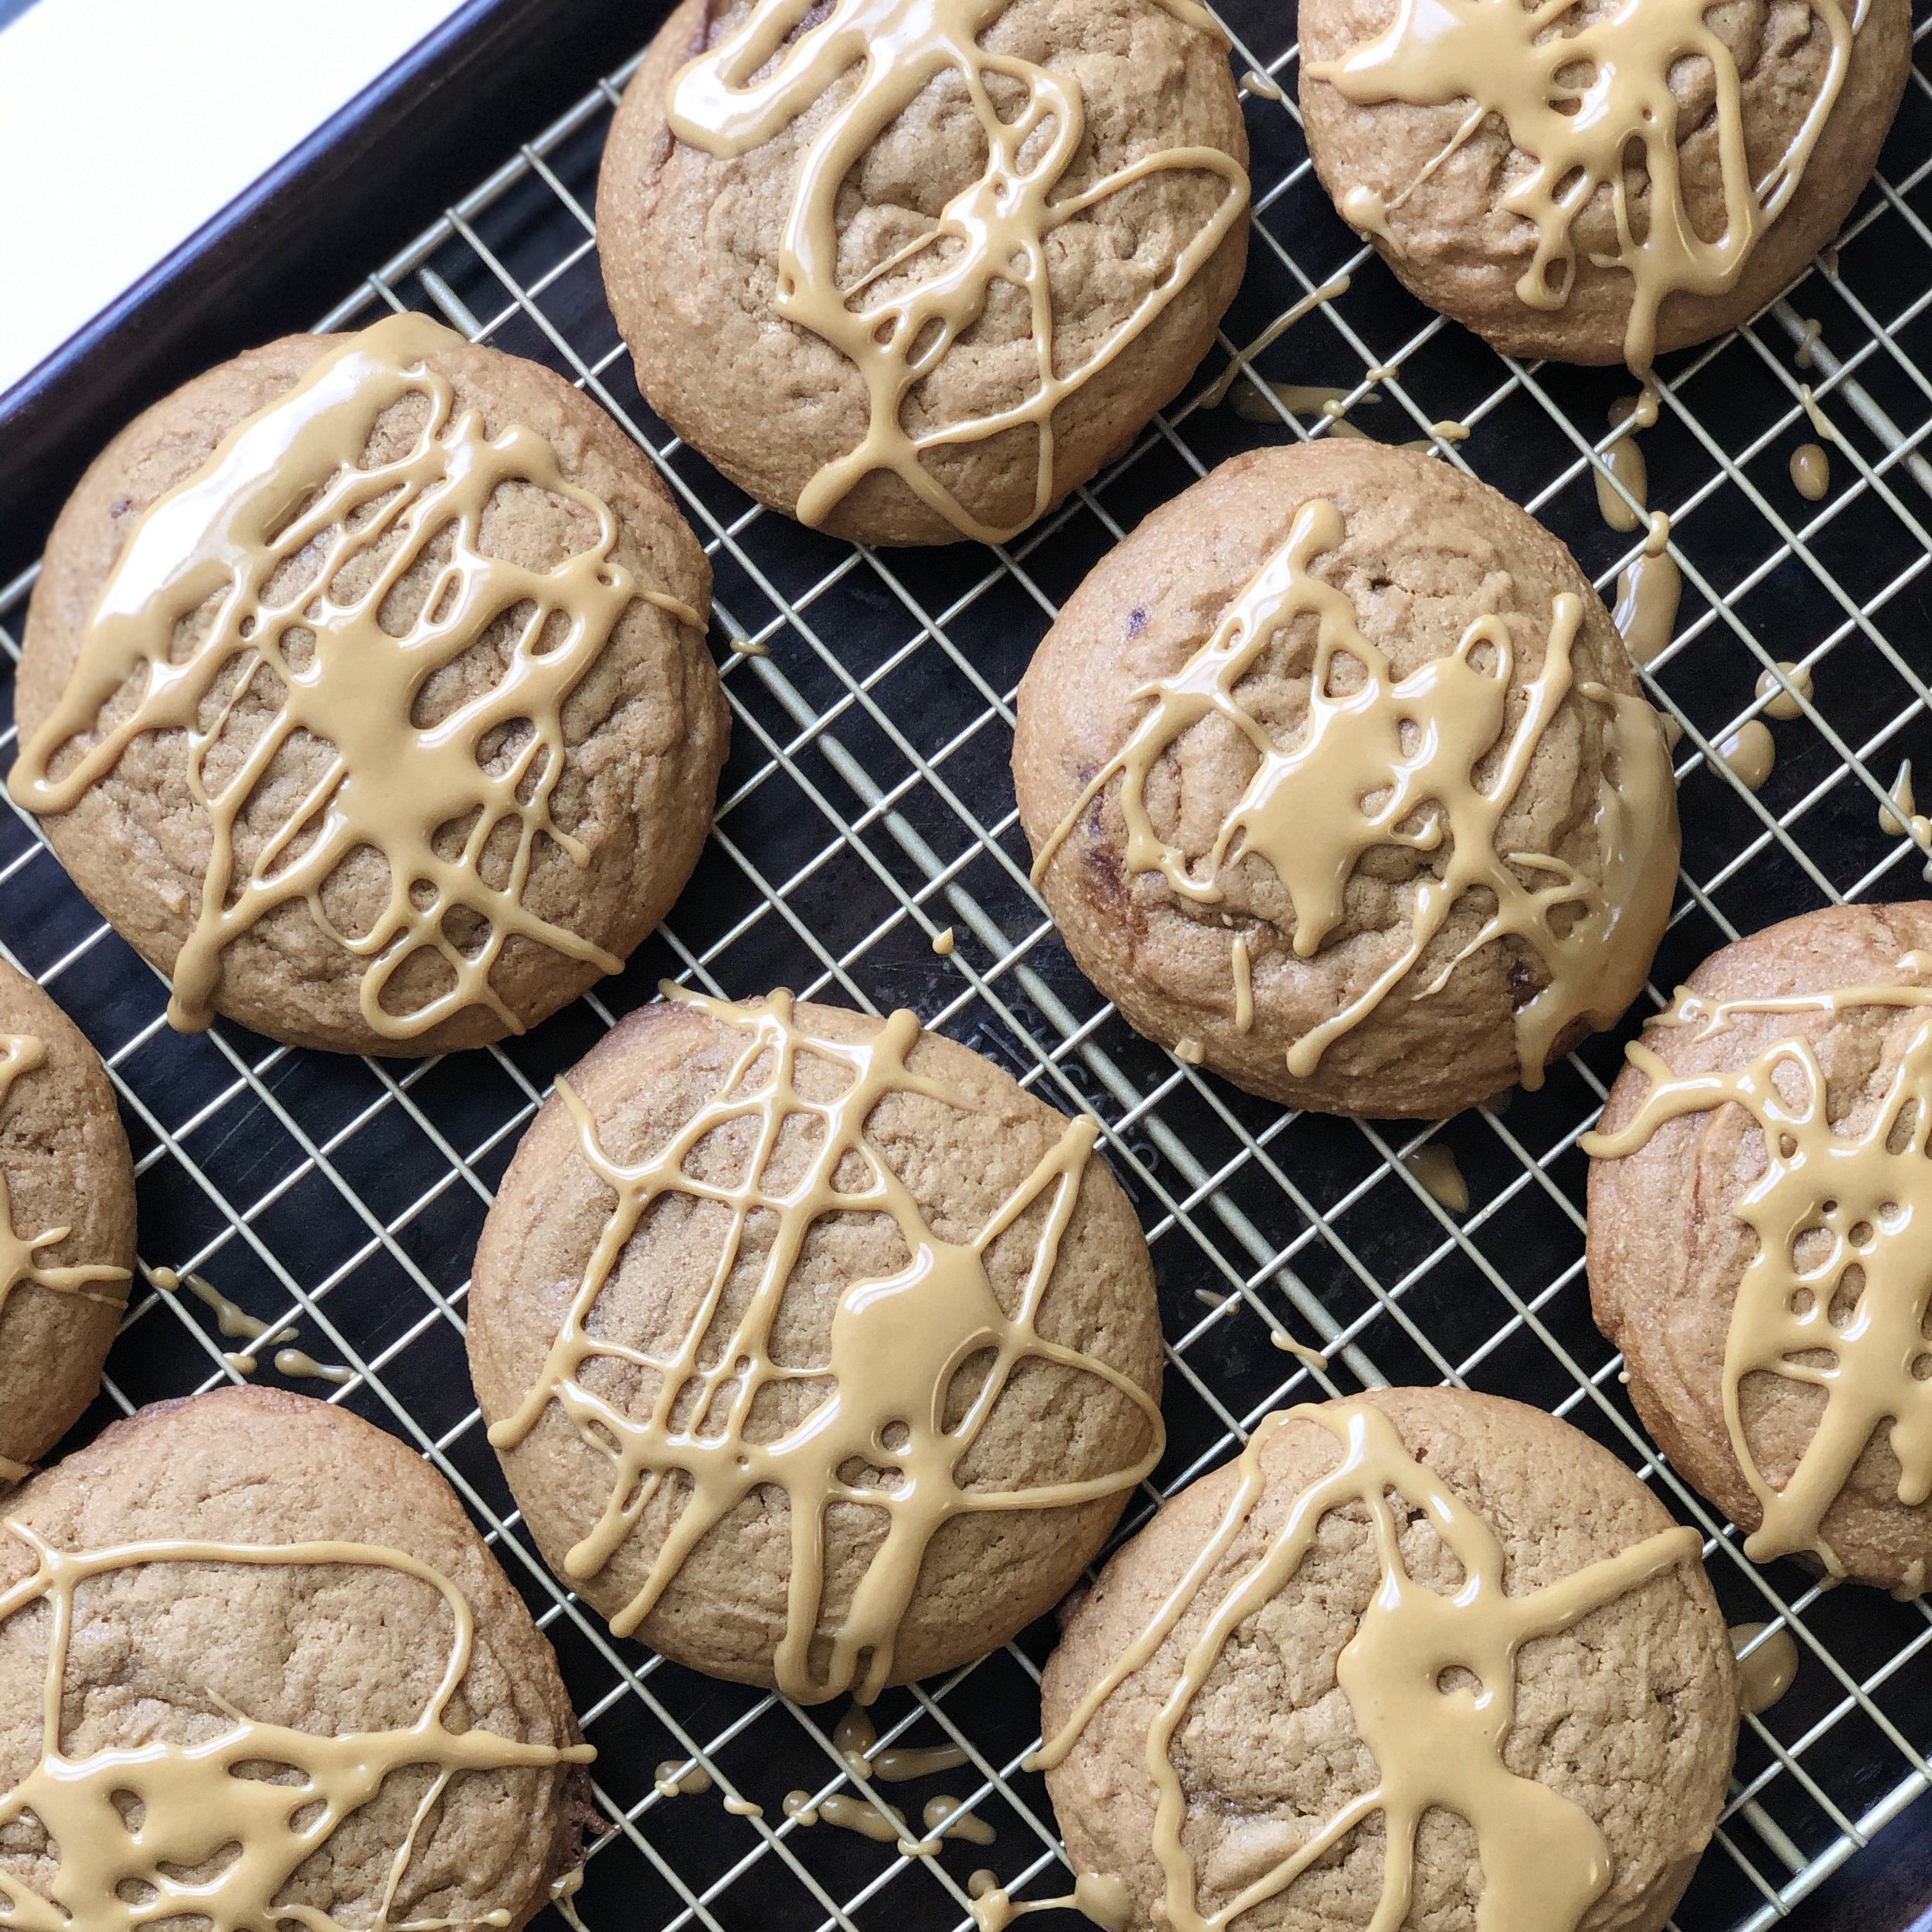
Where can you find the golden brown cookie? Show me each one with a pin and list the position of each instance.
(1413, 1656)
(1609, 181)
(1761, 1191)
(444, 633)
(818, 1353)
(66, 1222)
(912, 272)
(294, 1686)
(1338, 782)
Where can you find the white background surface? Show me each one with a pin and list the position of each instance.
(125, 123)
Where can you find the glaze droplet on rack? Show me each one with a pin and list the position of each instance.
(777, 67)
(1543, 1859)
(1623, 463)
(1902, 816)
(946, 1816)
(1840, 1218)
(193, 1798)
(1785, 699)
(1515, 63)
(1750, 753)
(563, 1896)
(847, 1813)
(285, 547)
(1216, 393)
(1098, 1896)
(20, 1262)
(857, 1742)
(1435, 1168)
(944, 1819)
(1648, 591)
(1767, 1665)
(239, 1325)
(1810, 472)
(234, 1320)
(298, 1365)
(896, 1346)
(1255, 401)
(675, 1779)
(1393, 761)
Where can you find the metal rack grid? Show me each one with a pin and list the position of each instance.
(867, 806)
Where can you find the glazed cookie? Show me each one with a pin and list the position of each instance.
(912, 271)
(66, 1222)
(293, 1686)
(1607, 181)
(1760, 1187)
(1338, 783)
(1418, 1657)
(366, 692)
(818, 1353)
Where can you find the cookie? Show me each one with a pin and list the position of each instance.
(66, 1222)
(1423, 1657)
(1759, 1191)
(443, 633)
(1338, 782)
(1609, 181)
(911, 272)
(294, 1686)
(818, 1353)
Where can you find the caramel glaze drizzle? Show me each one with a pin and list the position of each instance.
(1351, 782)
(290, 481)
(778, 65)
(194, 1802)
(1098, 1896)
(1544, 1860)
(856, 1741)
(21, 1054)
(1863, 1202)
(1575, 103)
(895, 1345)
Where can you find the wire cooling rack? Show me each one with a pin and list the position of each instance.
(867, 808)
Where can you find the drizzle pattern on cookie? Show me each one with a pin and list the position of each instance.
(1576, 104)
(203, 1838)
(21, 1054)
(1837, 1295)
(879, 1440)
(259, 584)
(1544, 1860)
(1390, 761)
(898, 320)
